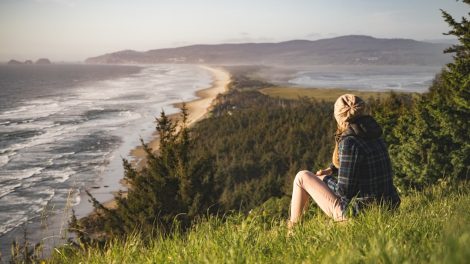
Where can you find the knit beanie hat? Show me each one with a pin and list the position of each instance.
(348, 107)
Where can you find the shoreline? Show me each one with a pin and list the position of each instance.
(197, 110)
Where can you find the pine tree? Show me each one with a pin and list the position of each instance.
(168, 193)
(434, 138)
(450, 99)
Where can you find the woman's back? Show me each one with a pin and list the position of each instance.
(365, 169)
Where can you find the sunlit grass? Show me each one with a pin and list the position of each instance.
(432, 226)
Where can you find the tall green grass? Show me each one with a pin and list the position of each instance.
(431, 226)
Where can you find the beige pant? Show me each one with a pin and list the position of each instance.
(306, 183)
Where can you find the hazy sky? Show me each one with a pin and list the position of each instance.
(77, 29)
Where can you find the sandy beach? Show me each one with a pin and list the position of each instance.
(197, 108)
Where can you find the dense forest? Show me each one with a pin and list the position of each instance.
(251, 146)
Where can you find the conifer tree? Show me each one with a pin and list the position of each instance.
(450, 99)
(168, 193)
(434, 139)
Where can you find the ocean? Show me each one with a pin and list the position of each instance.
(64, 129)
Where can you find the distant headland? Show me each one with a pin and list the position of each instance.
(41, 61)
(344, 50)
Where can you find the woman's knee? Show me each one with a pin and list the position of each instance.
(300, 176)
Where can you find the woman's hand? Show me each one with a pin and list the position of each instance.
(322, 173)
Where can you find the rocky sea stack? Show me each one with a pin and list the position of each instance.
(43, 61)
(14, 62)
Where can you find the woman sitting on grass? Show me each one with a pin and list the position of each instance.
(361, 161)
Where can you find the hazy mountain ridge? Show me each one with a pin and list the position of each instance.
(353, 49)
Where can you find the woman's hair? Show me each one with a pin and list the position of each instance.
(335, 158)
(347, 108)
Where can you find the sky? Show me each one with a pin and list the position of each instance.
(72, 30)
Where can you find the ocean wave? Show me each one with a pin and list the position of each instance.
(61, 175)
(8, 175)
(6, 189)
(4, 159)
(20, 209)
(12, 222)
(50, 136)
(47, 135)
(34, 124)
(75, 195)
(33, 109)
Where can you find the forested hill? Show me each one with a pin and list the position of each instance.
(353, 49)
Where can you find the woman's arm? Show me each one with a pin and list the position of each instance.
(323, 173)
(333, 168)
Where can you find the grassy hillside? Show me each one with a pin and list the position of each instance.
(256, 144)
(432, 226)
(246, 137)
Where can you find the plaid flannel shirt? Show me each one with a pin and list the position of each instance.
(365, 172)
